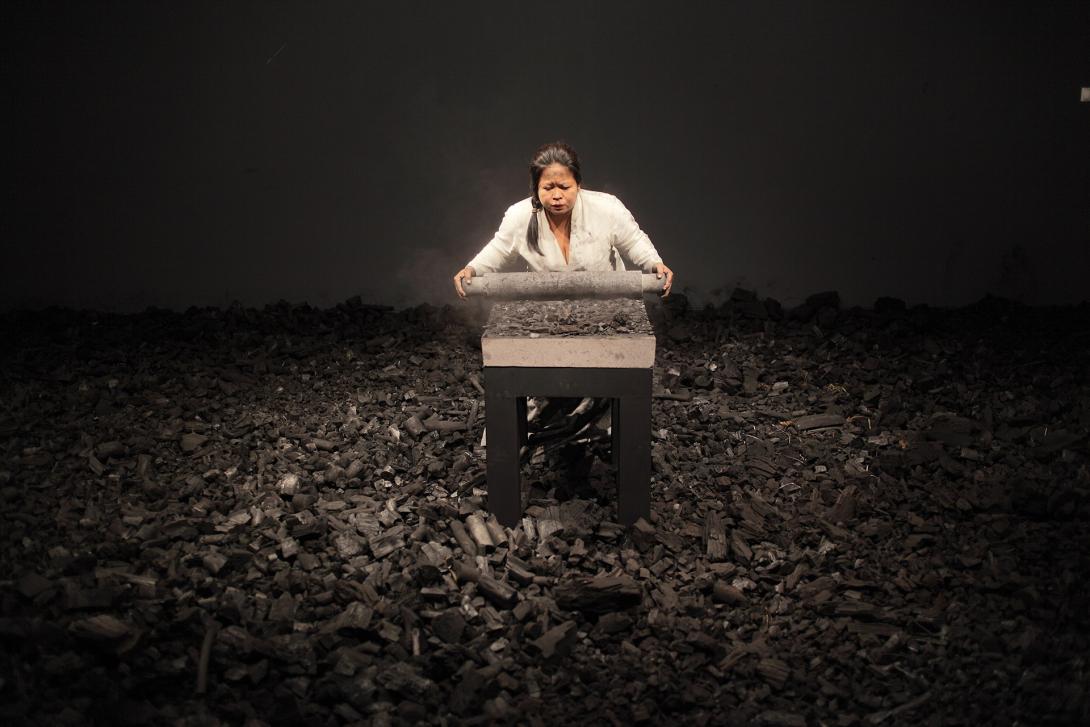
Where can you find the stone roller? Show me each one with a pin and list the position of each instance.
(561, 286)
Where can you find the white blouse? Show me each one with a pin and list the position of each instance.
(599, 222)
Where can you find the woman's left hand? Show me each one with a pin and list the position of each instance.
(660, 270)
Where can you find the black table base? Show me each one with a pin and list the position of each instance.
(506, 389)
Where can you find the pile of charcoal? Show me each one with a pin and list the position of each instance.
(279, 516)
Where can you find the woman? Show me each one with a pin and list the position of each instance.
(563, 227)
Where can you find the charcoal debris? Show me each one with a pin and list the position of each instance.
(449, 626)
(557, 640)
(728, 594)
(598, 595)
(818, 421)
(279, 516)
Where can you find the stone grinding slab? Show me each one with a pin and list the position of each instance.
(614, 333)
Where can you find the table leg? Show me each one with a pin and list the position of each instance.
(632, 453)
(615, 431)
(520, 414)
(505, 437)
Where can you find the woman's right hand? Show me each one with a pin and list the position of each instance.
(464, 274)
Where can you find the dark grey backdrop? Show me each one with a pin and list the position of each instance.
(199, 153)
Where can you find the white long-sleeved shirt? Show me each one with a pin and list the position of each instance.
(599, 222)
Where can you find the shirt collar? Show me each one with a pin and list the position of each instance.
(577, 214)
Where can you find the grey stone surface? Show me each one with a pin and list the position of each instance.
(612, 333)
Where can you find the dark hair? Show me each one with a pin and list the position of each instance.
(556, 152)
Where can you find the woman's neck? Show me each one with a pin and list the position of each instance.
(558, 222)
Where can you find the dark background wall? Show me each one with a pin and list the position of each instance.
(198, 153)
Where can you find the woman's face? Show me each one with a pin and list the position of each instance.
(557, 190)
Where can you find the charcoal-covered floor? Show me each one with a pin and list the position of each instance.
(859, 517)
